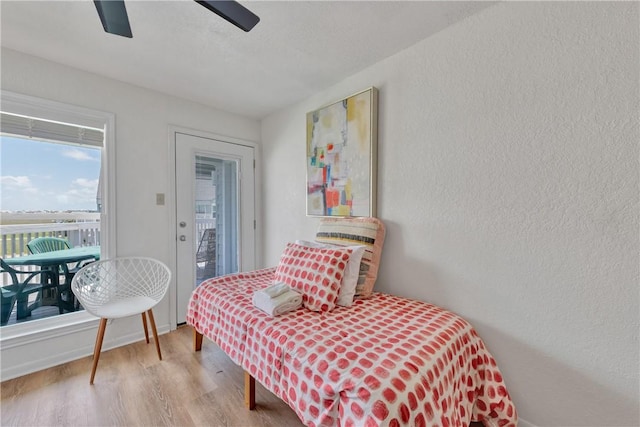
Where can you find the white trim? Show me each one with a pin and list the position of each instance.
(523, 423)
(54, 359)
(46, 328)
(257, 205)
(108, 214)
(171, 203)
(34, 335)
(170, 199)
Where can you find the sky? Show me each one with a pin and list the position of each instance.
(36, 175)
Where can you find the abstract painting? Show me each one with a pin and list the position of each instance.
(341, 157)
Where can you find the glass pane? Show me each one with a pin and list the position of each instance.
(51, 203)
(216, 217)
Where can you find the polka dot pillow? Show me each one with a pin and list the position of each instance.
(316, 273)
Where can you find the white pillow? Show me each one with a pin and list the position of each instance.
(351, 272)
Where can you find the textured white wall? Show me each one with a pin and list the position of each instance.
(508, 180)
(142, 149)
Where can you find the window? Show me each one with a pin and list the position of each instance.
(50, 195)
(77, 205)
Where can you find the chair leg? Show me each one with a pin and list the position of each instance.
(155, 332)
(97, 348)
(146, 331)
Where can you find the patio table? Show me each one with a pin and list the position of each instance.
(55, 259)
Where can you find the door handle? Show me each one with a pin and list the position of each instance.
(183, 224)
(183, 238)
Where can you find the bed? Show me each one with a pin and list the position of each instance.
(382, 361)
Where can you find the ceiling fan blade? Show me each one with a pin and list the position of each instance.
(113, 15)
(233, 12)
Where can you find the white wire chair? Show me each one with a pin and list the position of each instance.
(121, 287)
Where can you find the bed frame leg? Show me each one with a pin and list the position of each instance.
(249, 391)
(197, 340)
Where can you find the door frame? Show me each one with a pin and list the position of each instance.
(170, 199)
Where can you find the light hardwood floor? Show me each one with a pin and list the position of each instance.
(133, 388)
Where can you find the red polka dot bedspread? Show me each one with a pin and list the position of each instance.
(385, 361)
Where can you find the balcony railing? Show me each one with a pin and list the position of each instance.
(14, 238)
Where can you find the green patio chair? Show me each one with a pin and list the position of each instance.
(8, 300)
(47, 244)
(20, 289)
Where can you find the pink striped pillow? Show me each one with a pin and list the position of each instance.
(314, 272)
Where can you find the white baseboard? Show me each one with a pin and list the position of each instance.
(41, 352)
(524, 423)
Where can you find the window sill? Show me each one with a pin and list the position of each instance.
(47, 328)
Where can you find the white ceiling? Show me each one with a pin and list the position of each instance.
(178, 47)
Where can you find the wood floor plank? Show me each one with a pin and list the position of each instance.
(133, 387)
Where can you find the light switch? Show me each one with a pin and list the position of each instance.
(160, 199)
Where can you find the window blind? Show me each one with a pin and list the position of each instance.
(31, 127)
